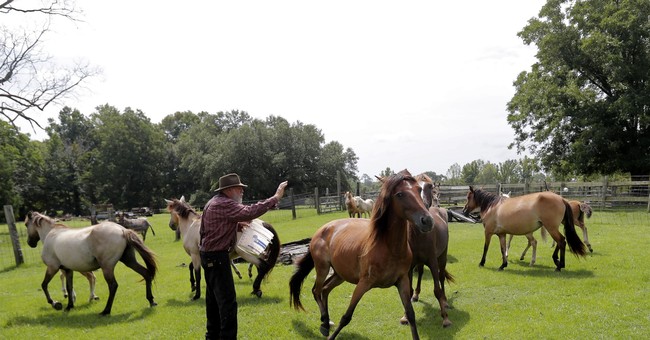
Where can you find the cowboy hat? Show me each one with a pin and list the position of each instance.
(230, 180)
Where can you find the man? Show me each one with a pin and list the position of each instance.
(219, 223)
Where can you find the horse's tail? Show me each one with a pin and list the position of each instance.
(147, 255)
(303, 267)
(267, 266)
(450, 278)
(575, 243)
(150, 227)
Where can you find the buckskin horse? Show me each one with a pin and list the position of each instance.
(522, 215)
(371, 253)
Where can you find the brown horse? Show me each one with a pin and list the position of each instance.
(370, 253)
(351, 205)
(579, 210)
(522, 215)
(430, 249)
(86, 249)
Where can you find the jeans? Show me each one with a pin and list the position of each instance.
(220, 296)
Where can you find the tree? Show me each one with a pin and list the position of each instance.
(453, 174)
(29, 78)
(585, 105)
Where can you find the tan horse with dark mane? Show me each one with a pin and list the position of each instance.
(522, 215)
(371, 253)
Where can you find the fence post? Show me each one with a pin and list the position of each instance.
(293, 203)
(317, 201)
(649, 195)
(603, 196)
(15, 241)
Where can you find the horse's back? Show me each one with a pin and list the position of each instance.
(518, 215)
(339, 243)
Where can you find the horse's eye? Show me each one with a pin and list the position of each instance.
(400, 194)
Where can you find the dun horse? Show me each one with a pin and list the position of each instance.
(579, 210)
(370, 253)
(189, 222)
(430, 249)
(87, 249)
(139, 225)
(522, 215)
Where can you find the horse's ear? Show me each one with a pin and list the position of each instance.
(471, 188)
(168, 201)
(182, 199)
(381, 179)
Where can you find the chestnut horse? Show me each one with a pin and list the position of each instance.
(351, 205)
(371, 253)
(522, 215)
(86, 249)
(189, 222)
(430, 249)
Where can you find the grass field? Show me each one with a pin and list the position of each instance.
(603, 296)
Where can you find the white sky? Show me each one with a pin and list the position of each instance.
(406, 84)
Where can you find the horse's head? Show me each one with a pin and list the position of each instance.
(471, 204)
(173, 215)
(427, 189)
(402, 193)
(33, 222)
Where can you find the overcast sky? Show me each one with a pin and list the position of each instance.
(406, 84)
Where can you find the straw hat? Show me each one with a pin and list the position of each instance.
(230, 180)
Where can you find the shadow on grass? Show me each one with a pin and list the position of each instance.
(307, 332)
(523, 268)
(74, 319)
(430, 324)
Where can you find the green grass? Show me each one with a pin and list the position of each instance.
(603, 296)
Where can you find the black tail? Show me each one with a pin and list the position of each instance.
(303, 267)
(575, 243)
(448, 277)
(266, 266)
(147, 255)
(151, 227)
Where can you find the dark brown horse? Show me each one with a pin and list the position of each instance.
(370, 253)
(521, 216)
(430, 249)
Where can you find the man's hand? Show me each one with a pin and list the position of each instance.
(280, 192)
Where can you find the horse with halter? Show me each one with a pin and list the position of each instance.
(184, 217)
(522, 215)
(371, 253)
(87, 249)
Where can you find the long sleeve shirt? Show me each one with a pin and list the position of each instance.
(220, 218)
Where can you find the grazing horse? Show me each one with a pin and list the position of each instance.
(371, 253)
(351, 205)
(430, 249)
(522, 215)
(87, 249)
(189, 222)
(364, 207)
(579, 210)
(139, 225)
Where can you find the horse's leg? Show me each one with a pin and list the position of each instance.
(49, 274)
(234, 267)
(69, 288)
(192, 281)
(439, 290)
(332, 282)
(560, 247)
(90, 276)
(584, 235)
(486, 246)
(129, 259)
(322, 270)
(196, 261)
(509, 242)
(361, 288)
(418, 286)
(531, 242)
(404, 294)
(250, 270)
(65, 292)
(109, 276)
(504, 253)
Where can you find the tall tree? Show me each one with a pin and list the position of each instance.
(585, 105)
(30, 79)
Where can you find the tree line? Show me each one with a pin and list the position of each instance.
(122, 158)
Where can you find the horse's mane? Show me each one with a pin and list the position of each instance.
(486, 199)
(424, 178)
(379, 218)
(183, 209)
(38, 219)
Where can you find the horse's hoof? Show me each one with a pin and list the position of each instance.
(446, 323)
(415, 298)
(325, 331)
(153, 304)
(194, 298)
(404, 321)
(558, 269)
(257, 293)
(57, 305)
(591, 250)
(67, 309)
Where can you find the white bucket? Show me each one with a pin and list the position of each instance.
(254, 239)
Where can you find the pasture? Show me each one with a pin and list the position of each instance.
(605, 295)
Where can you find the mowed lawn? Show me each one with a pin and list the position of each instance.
(603, 296)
